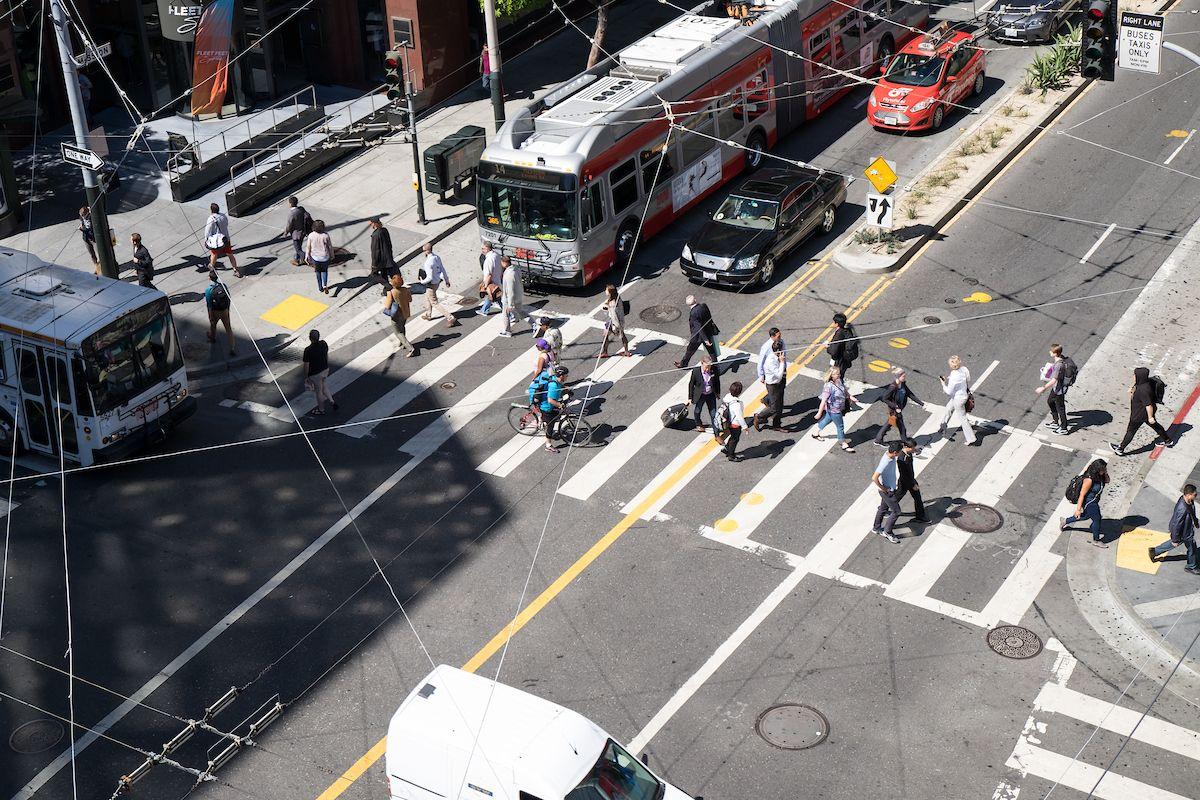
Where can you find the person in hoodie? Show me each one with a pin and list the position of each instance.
(1141, 412)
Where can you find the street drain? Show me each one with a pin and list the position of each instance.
(971, 281)
(36, 736)
(932, 320)
(977, 518)
(663, 312)
(448, 384)
(1013, 641)
(792, 726)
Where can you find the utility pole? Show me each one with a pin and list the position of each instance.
(412, 132)
(91, 185)
(493, 42)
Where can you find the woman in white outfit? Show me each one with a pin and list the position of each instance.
(957, 386)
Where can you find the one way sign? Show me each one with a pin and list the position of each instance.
(80, 156)
(879, 210)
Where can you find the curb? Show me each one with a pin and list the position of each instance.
(935, 228)
(206, 370)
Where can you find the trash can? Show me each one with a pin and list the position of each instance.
(453, 160)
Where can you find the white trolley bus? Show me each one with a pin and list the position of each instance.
(90, 367)
(563, 185)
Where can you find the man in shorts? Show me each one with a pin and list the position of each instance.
(218, 226)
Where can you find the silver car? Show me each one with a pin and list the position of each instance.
(1027, 21)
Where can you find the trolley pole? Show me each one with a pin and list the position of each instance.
(418, 184)
(91, 185)
(493, 42)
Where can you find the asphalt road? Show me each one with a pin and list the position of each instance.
(165, 549)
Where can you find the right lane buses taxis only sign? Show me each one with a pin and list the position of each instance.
(1139, 42)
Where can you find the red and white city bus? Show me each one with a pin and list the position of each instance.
(563, 186)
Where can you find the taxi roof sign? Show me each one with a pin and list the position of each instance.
(881, 175)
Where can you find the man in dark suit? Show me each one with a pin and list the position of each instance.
(907, 483)
(704, 387)
(382, 261)
(703, 332)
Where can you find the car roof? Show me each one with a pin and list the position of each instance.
(775, 183)
(937, 42)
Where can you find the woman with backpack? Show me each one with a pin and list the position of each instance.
(614, 322)
(834, 399)
(1058, 378)
(1144, 397)
(1087, 489)
(318, 252)
(731, 415)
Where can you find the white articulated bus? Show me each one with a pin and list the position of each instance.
(563, 185)
(90, 367)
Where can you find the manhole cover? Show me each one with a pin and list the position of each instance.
(36, 736)
(663, 312)
(977, 518)
(932, 320)
(791, 726)
(448, 384)
(1013, 641)
(970, 281)
(950, 301)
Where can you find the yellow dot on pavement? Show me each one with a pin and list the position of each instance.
(1177, 134)
(726, 525)
(898, 342)
(293, 312)
(752, 498)
(879, 365)
(978, 297)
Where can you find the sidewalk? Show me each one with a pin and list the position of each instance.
(277, 303)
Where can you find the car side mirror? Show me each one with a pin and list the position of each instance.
(951, 79)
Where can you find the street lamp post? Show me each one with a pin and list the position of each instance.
(493, 43)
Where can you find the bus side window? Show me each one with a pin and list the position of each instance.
(694, 146)
(650, 169)
(758, 95)
(83, 392)
(527, 796)
(593, 206)
(729, 115)
(623, 181)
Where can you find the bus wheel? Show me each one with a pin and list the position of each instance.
(756, 145)
(623, 247)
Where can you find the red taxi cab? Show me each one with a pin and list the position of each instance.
(923, 82)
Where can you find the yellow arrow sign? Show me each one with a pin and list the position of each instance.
(881, 175)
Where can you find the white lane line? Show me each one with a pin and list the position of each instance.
(605, 464)
(1065, 771)
(1035, 567)
(1169, 606)
(862, 102)
(500, 384)
(513, 453)
(1059, 699)
(714, 662)
(941, 546)
(1096, 246)
(1182, 145)
(257, 408)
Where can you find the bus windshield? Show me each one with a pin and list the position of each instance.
(912, 69)
(617, 776)
(523, 211)
(133, 354)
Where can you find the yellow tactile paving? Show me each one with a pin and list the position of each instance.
(294, 312)
(1131, 549)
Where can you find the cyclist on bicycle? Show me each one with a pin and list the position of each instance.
(552, 403)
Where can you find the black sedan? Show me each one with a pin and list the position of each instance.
(1031, 21)
(763, 219)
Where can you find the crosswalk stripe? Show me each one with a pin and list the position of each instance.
(1033, 569)
(1034, 760)
(1058, 699)
(941, 546)
(513, 453)
(501, 383)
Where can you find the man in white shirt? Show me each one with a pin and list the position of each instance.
(774, 335)
(489, 262)
(434, 276)
(886, 480)
(218, 225)
(772, 371)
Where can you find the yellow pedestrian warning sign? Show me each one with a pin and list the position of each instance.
(881, 174)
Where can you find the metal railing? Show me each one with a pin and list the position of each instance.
(291, 104)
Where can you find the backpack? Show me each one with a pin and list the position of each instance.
(308, 222)
(1074, 488)
(1160, 388)
(850, 345)
(538, 388)
(723, 420)
(1070, 371)
(219, 298)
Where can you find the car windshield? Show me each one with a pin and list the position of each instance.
(522, 211)
(746, 212)
(617, 776)
(133, 354)
(913, 69)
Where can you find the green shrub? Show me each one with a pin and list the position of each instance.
(1052, 69)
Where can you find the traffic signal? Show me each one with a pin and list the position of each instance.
(394, 78)
(1098, 45)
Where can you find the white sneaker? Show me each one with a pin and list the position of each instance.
(506, 334)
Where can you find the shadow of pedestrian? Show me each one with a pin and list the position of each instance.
(771, 450)
(1089, 418)
(185, 297)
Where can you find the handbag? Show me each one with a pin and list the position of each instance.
(969, 406)
(215, 242)
(892, 420)
(624, 306)
(391, 310)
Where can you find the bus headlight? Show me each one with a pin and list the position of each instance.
(179, 396)
(568, 260)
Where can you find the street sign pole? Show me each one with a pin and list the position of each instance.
(493, 44)
(91, 185)
(412, 132)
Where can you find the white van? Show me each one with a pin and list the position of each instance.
(528, 748)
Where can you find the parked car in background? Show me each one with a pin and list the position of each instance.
(767, 216)
(927, 80)
(1031, 22)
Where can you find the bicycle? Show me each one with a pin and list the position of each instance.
(526, 420)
